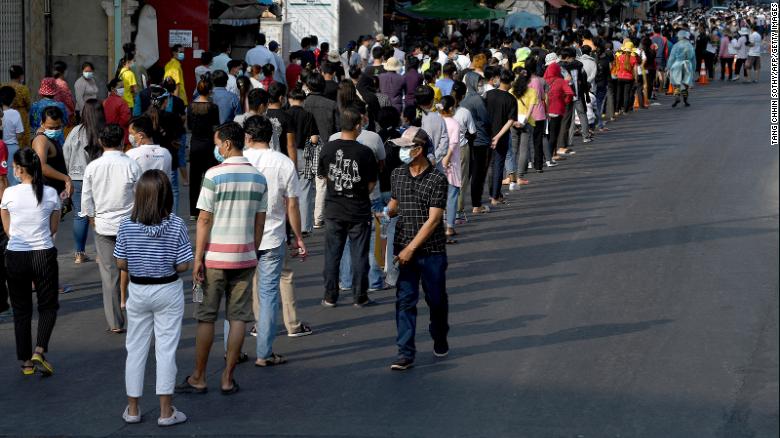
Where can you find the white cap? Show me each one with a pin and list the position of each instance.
(394, 40)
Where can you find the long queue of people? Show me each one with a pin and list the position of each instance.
(380, 151)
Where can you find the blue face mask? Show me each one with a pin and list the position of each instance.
(220, 159)
(180, 56)
(405, 154)
(52, 133)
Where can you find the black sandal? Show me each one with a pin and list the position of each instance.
(234, 389)
(186, 388)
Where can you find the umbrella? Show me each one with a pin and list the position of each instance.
(452, 10)
(523, 20)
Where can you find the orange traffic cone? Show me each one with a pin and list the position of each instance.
(703, 75)
(670, 90)
(636, 102)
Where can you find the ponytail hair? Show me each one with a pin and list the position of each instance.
(28, 160)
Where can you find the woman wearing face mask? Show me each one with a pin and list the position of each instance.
(202, 120)
(31, 214)
(86, 87)
(81, 147)
(129, 85)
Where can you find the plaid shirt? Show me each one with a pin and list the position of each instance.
(311, 157)
(416, 195)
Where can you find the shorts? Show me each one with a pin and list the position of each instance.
(754, 62)
(236, 286)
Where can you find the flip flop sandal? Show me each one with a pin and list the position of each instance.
(451, 241)
(234, 389)
(186, 388)
(41, 365)
(28, 370)
(243, 357)
(275, 359)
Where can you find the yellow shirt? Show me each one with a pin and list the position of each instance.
(436, 94)
(525, 103)
(173, 70)
(128, 80)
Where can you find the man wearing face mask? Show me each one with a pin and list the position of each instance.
(115, 108)
(174, 71)
(47, 91)
(418, 199)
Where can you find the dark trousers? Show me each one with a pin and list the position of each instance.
(499, 162)
(553, 130)
(40, 268)
(479, 163)
(651, 73)
(336, 233)
(431, 271)
(709, 64)
(538, 142)
(200, 162)
(624, 95)
(738, 68)
(563, 135)
(3, 277)
(726, 63)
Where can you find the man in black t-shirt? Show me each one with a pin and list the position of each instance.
(351, 172)
(502, 107)
(283, 138)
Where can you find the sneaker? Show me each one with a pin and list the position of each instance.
(253, 331)
(177, 418)
(303, 330)
(344, 288)
(80, 257)
(368, 302)
(318, 225)
(587, 140)
(550, 164)
(326, 303)
(441, 349)
(131, 419)
(402, 363)
(530, 165)
(513, 187)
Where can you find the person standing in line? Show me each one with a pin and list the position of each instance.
(115, 108)
(279, 67)
(283, 139)
(468, 131)
(204, 66)
(681, 68)
(726, 58)
(144, 152)
(5, 308)
(451, 165)
(308, 150)
(502, 107)
(31, 214)
(47, 91)
(12, 127)
(326, 116)
(432, 124)
(558, 97)
(153, 247)
(232, 204)
(22, 102)
(480, 152)
(256, 105)
(522, 131)
(222, 59)
(350, 171)
(174, 71)
(130, 87)
(419, 197)
(282, 178)
(107, 197)
(82, 147)
(260, 55)
(227, 102)
(47, 143)
(754, 54)
(741, 46)
(64, 94)
(202, 119)
(85, 86)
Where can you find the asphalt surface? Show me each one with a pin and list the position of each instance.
(630, 292)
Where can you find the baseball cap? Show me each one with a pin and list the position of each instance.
(394, 40)
(407, 138)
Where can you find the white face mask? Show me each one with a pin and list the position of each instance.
(120, 92)
(132, 140)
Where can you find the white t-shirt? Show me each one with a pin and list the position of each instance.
(30, 222)
(466, 122)
(753, 50)
(282, 182)
(12, 125)
(152, 156)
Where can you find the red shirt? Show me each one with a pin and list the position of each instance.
(3, 159)
(116, 110)
(292, 75)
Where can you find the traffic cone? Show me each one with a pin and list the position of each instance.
(636, 102)
(670, 90)
(703, 75)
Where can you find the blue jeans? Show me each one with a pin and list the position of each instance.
(175, 188)
(269, 272)
(431, 270)
(80, 224)
(499, 159)
(452, 205)
(12, 148)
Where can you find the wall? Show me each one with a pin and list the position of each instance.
(359, 18)
(320, 18)
(35, 49)
(87, 43)
(12, 35)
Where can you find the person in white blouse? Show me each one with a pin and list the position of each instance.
(31, 213)
(107, 196)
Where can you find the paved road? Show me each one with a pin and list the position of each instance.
(631, 292)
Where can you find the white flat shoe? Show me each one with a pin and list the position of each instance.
(176, 418)
(131, 419)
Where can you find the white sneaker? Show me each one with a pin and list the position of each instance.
(513, 187)
(530, 165)
(176, 418)
(131, 419)
(551, 164)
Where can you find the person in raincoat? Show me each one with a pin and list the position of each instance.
(680, 67)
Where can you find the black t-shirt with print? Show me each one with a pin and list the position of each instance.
(303, 125)
(282, 124)
(349, 168)
(501, 106)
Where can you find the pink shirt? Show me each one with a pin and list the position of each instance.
(538, 112)
(724, 47)
(453, 171)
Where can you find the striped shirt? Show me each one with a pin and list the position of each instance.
(233, 192)
(153, 251)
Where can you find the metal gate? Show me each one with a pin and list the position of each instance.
(11, 35)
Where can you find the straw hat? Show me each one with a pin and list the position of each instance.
(333, 56)
(392, 64)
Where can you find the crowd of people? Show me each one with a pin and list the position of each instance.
(384, 148)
